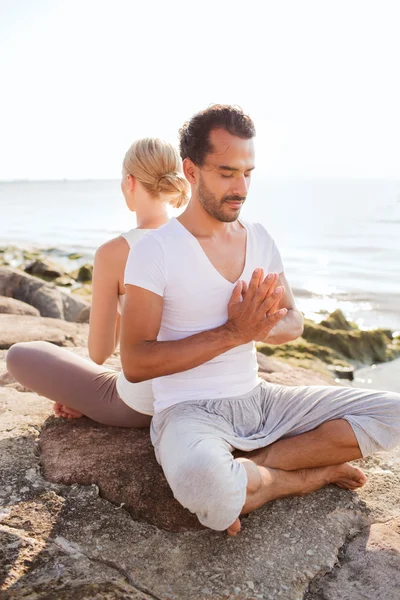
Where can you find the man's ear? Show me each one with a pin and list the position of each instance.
(191, 171)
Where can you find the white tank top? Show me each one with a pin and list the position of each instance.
(170, 262)
(138, 396)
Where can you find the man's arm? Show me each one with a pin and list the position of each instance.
(143, 357)
(291, 326)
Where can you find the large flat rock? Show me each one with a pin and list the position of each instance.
(85, 513)
(24, 328)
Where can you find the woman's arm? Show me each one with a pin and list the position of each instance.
(108, 273)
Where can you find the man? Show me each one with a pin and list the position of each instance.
(200, 291)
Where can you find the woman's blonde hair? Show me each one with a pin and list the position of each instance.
(157, 166)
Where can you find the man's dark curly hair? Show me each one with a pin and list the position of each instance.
(194, 136)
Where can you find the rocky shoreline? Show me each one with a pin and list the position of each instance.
(85, 511)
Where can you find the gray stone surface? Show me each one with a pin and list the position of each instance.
(16, 328)
(49, 300)
(10, 306)
(61, 541)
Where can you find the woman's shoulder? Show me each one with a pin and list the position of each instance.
(134, 235)
(112, 251)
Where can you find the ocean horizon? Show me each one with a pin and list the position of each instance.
(339, 239)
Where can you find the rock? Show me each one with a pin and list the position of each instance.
(75, 309)
(370, 570)
(322, 345)
(141, 487)
(64, 281)
(11, 306)
(45, 297)
(67, 542)
(83, 274)
(16, 328)
(342, 372)
(21, 286)
(44, 268)
(357, 345)
(74, 256)
(337, 320)
(298, 376)
(267, 364)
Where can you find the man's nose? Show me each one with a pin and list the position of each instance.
(241, 186)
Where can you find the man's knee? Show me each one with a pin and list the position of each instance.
(211, 486)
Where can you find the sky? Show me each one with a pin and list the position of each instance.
(81, 79)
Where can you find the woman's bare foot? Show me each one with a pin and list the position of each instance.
(265, 485)
(61, 410)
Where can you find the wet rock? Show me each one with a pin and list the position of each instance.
(11, 306)
(44, 268)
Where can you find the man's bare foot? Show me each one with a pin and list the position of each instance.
(61, 410)
(234, 528)
(265, 485)
(345, 476)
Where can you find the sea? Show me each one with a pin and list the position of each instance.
(339, 239)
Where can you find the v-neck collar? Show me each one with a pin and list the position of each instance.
(203, 253)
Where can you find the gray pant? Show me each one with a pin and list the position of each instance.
(194, 440)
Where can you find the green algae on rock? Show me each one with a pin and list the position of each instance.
(83, 274)
(321, 344)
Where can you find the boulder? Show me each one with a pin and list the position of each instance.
(67, 541)
(83, 274)
(64, 281)
(23, 328)
(11, 306)
(85, 511)
(45, 269)
(361, 346)
(337, 320)
(130, 474)
(45, 297)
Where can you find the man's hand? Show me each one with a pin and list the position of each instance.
(252, 310)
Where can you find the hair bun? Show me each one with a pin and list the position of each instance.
(175, 186)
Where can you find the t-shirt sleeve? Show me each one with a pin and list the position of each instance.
(145, 266)
(272, 257)
(276, 264)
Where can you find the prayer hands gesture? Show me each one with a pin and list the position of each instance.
(253, 309)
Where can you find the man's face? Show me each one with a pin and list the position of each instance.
(224, 178)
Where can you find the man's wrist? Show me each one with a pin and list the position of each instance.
(231, 335)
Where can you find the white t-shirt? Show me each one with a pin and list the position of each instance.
(138, 396)
(170, 262)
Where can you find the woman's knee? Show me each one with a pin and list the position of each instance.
(15, 357)
(20, 355)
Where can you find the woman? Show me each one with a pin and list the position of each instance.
(151, 181)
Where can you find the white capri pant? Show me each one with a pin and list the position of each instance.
(194, 440)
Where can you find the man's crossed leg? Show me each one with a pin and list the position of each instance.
(292, 441)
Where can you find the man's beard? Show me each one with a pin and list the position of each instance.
(215, 207)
